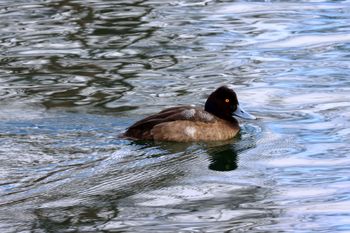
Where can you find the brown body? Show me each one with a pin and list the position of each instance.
(186, 123)
(183, 124)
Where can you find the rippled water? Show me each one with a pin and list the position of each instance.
(75, 74)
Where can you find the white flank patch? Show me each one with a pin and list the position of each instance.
(188, 113)
(190, 131)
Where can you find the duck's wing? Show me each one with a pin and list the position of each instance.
(142, 128)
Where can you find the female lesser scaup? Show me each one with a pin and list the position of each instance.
(187, 123)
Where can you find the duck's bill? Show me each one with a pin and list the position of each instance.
(243, 114)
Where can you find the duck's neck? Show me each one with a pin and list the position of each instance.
(222, 115)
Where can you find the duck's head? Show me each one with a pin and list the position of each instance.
(224, 104)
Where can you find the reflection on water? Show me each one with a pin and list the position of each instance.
(75, 74)
(225, 160)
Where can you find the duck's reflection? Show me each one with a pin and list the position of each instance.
(224, 159)
(222, 156)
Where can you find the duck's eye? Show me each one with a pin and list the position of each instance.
(227, 100)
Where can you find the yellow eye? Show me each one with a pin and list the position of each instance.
(227, 100)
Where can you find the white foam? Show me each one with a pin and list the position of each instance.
(230, 86)
(309, 40)
(242, 8)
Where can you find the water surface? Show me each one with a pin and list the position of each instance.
(75, 74)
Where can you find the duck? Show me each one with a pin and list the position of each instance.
(188, 123)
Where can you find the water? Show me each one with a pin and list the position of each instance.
(75, 74)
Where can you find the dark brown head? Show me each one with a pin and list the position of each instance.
(223, 103)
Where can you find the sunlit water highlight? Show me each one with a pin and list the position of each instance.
(75, 74)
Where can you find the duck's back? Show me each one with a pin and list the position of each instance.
(183, 124)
